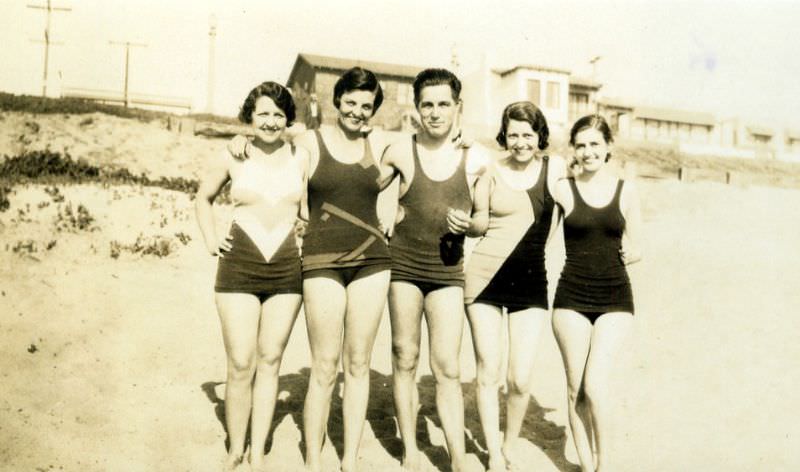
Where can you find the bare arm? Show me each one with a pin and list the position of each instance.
(215, 177)
(481, 205)
(631, 239)
(308, 140)
(557, 172)
(303, 155)
(387, 166)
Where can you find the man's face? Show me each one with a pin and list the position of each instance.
(437, 109)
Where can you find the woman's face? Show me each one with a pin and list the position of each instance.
(521, 140)
(591, 149)
(356, 107)
(269, 121)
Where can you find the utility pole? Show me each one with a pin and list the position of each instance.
(593, 61)
(455, 63)
(49, 8)
(127, 45)
(212, 37)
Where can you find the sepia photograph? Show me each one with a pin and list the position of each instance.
(249, 236)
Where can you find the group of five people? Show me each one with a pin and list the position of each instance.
(306, 230)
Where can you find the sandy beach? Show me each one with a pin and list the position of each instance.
(117, 363)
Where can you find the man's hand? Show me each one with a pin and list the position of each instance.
(238, 147)
(458, 221)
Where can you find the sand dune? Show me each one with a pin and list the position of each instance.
(111, 359)
(117, 364)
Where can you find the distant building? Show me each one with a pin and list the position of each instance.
(667, 125)
(561, 97)
(792, 141)
(313, 74)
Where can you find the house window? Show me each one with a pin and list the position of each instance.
(405, 94)
(553, 95)
(578, 104)
(762, 138)
(534, 91)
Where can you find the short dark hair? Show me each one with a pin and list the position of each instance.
(358, 79)
(529, 113)
(595, 121)
(431, 77)
(591, 121)
(277, 92)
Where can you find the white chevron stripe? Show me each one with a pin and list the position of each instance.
(266, 240)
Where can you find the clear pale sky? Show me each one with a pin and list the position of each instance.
(726, 57)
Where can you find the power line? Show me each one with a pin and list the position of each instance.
(49, 8)
(128, 45)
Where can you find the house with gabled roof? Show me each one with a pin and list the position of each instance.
(313, 77)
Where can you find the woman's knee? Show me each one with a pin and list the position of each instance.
(595, 391)
(519, 383)
(405, 357)
(356, 364)
(488, 374)
(575, 395)
(446, 370)
(269, 359)
(241, 365)
(323, 371)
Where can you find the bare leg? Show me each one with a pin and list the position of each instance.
(444, 312)
(278, 314)
(524, 329)
(325, 301)
(239, 314)
(405, 313)
(486, 322)
(573, 333)
(366, 299)
(610, 330)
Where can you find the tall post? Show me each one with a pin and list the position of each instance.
(212, 37)
(49, 8)
(593, 61)
(127, 67)
(127, 45)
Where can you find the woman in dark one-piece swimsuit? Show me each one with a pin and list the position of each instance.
(593, 306)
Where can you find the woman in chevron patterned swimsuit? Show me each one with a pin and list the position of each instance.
(258, 284)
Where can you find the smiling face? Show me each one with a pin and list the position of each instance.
(356, 107)
(269, 121)
(591, 149)
(438, 109)
(521, 140)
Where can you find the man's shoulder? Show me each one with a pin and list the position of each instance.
(399, 148)
(479, 158)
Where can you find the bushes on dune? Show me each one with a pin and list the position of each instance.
(50, 167)
(79, 106)
(46, 105)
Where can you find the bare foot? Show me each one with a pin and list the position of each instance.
(313, 467)
(510, 459)
(497, 463)
(348, 466)
(258, 463)
(458, 464)
(411, 461)
(234, 463)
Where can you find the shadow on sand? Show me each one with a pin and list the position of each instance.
(541, 432)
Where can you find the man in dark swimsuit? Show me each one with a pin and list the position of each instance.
(437, 179)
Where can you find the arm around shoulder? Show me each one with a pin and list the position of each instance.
(481, 202)
(391, 163)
